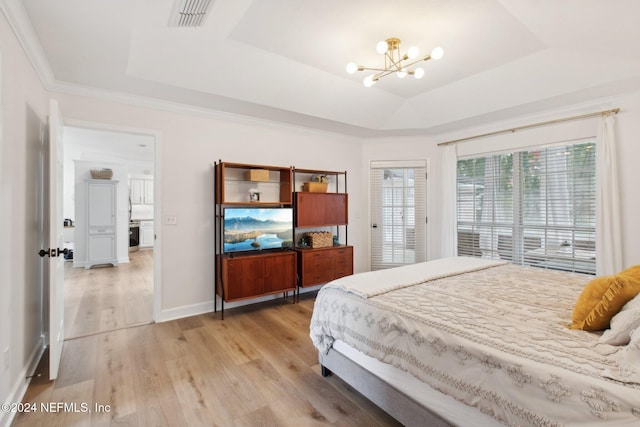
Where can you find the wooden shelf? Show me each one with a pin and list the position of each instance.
(234, 186)
(249, 204)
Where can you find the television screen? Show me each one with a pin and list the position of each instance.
(254, 229)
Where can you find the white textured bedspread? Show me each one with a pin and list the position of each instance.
(379, 282)
(494, 338)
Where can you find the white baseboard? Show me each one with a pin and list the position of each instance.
(207, 307)
(22, 383)
(185, 311)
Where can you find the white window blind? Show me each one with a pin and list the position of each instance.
(533, 207)
(398, 214)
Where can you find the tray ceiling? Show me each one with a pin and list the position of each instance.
(285, 60)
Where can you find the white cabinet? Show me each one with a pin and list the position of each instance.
(101, 222)
(141, 190)
(147, 235)
(148, 192)
(136, 191)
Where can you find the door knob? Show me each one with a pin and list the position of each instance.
(42, 252)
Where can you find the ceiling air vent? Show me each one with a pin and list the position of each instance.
(190, 13)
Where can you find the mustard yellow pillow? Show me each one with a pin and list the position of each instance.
(633, 272)
(602, 298)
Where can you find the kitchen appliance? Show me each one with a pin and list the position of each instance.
(134, 236)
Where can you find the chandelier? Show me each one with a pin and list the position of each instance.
(395, 62)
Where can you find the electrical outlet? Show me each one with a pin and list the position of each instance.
(6, 359)
(170, 220)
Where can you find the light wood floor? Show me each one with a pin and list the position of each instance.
(108, 298)
(255, 368)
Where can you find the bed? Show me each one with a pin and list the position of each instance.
(467, 341)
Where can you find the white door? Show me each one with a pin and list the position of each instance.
(56, 240)
(398, 213)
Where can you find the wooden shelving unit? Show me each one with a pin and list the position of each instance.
(252, 274)
(327, 211)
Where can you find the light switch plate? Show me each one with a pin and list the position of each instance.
(171, 219)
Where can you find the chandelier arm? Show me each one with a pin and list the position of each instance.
(396, 65)
(372, 69)
(426, 58)
(384, 73)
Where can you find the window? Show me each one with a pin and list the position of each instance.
(398, 214)
(532, 207)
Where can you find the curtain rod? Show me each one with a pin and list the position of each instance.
(549, 122)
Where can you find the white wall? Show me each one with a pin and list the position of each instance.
(188, 145)
(23, 112)
(628, 131)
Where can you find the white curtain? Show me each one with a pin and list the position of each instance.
(608, 234)
(449, 192)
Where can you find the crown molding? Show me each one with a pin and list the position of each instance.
(20, 24)
(146, 102)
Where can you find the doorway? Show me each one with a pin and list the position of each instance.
(398, 213)
(113, 296)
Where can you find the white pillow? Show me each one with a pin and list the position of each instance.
(628, 369)
(623, 324)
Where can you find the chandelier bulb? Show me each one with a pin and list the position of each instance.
(369, 81)
(382, 47)
(418, 73)
(437, 53)
(402, 73)
(413, 52)
(352, 67)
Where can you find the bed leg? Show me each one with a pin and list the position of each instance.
(325, 371)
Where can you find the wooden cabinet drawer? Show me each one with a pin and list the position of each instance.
(317, 263)
(324, 264)
(311, 278)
